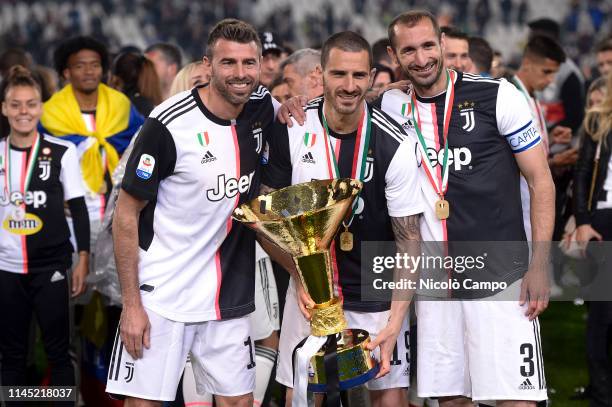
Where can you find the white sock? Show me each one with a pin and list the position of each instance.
(190, 394)
(265, 358)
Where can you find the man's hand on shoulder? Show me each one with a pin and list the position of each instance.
(294, 107)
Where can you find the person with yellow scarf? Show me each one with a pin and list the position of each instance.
(99, 120)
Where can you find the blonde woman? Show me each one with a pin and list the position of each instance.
(593, 212)
(192, 75)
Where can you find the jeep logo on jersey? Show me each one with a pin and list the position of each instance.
(459, 158)
(257, 135)
(466, 109)
(21, 223)
(35, 199)
(230, 187)
(45, 170)
(145, 166)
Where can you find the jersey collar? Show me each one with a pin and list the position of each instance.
(441, 96)
(209, 115)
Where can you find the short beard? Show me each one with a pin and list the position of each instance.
(230, 97)
(428, 84)
(330, 97)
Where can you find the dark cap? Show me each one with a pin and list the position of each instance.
(270, 42)
(545, 25)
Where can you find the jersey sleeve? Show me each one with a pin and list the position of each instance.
(276, 105)
(277, 170)
(514, 119)
(70, 174)
(402, 189)
(152, 160)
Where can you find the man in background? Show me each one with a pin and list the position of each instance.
(99, 120)
(301, 75)
(456, 50)
(604, 56)
(167, 60)
(381, 56)
(481, 54)
(271, 52)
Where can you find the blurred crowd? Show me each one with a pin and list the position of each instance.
(38, 26)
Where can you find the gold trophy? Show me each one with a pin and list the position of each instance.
(302, 221)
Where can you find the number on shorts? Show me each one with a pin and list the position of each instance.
(395, 360)
(529, 369)
(248, 343)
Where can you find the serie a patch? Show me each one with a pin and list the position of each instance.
(145, 166)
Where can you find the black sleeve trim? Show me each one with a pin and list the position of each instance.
(156, 140)
(80, 220)
(277, 172)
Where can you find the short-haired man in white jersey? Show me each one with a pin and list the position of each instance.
(483, 349)
(343, 137)
(186, 269)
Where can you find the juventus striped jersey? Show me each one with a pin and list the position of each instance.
(34, 235)
(490, 123)
(193, 168)
(298, 154)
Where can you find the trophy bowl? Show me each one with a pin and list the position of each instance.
(302, 221)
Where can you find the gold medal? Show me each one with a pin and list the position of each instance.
(346, 240)
(442, 209)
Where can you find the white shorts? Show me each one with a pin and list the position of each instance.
(483, 349)
(296, 328)
(265, 319)
(221, 353)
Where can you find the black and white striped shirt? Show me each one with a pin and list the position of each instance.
(194, 168)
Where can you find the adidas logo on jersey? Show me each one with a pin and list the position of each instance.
(526, 385)
(408, 125)
(208, 158)
(308, 158)
(57, 276)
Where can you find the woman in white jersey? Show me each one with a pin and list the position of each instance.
(38, 175)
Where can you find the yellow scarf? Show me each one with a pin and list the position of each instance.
(62, 118)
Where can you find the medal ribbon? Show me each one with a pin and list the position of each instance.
(30, 166)
(439, 185)
(360, 154)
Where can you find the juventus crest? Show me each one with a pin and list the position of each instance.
(466, 109)
(45, 170)
(257, 135)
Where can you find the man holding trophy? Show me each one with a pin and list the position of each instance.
(344, 137)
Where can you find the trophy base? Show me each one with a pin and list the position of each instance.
(355, 363)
